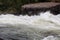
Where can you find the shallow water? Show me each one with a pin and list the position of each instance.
(45, 26)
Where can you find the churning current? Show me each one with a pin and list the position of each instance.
(45, 26)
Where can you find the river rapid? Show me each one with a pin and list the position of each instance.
(45, 26)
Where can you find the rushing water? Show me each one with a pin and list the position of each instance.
(45, 26)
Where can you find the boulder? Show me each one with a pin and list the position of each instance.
(55, 10)
(36, 8)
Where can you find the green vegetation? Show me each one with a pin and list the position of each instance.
(15, 5)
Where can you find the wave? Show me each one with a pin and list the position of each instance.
(43, 25)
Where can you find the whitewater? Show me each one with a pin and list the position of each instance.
(45, 26)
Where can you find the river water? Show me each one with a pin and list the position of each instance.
(45, 26)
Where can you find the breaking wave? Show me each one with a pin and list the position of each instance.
(45, 26)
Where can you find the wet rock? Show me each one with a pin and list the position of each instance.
(35, 9)
(55, 10)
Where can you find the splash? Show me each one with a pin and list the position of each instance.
(44, 19)
(50, 38)
(41, 24)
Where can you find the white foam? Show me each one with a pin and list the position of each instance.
(44, 20)
(50, 38)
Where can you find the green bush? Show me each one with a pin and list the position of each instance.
(15, 5)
